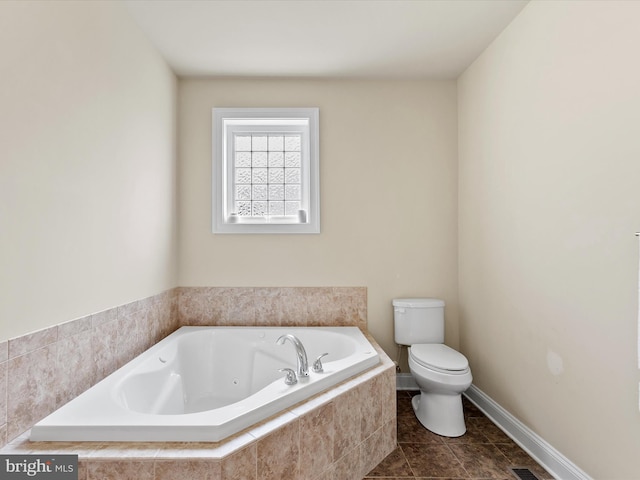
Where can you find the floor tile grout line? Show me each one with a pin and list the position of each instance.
(407, 460)
(468, 475)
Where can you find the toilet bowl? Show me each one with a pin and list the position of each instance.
(442, 374)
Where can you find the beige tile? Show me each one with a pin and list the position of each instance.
(31, 389)
(214, 306)
(269, 310)
(322, 308)
(122, 450)
(347, 434)
(105, 316)
(309, 292)
(278, 454)
(120, 470)
(360, 301)
(3, 393)
(127, 345)
(58, 448)
(211, 450)
(74, 327)
(191, 304)
(168, 320)
(152, 324)
(82, 470)
(131, 307)
(242, 465)
(389, 436)
(104, 346)
(376, 447)
(343, 310)
(178, 450)
(3, 435)
(152, 318)
(295, 291)
(328, 474)
(316, 441)
(294, 310)
(240, 308)
(145, 329)
(370, 406)
(75, 366)
(4, 351)
(232, 291)
(387, 393)
(394, 465)
(268, 291)
(349, 291)
(272, 306)
(187, 469)
(356, 310)
(348, 467)
(32, 341)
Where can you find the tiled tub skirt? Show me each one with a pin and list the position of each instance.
(340, 434)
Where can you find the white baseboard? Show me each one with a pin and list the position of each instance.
(543, 453)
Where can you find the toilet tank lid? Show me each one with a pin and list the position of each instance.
(418, 302)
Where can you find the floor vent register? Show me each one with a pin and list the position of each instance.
(523, 473)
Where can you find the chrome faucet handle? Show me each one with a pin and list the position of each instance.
(291, 378)
(317, 365)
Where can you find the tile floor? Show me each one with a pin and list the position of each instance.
(484, 452)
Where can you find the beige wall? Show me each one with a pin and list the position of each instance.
(549, 195)
(87, 163)
(388, 194)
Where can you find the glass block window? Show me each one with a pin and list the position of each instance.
(266, 171)
(267, 175)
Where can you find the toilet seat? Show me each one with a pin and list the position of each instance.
(440, 358)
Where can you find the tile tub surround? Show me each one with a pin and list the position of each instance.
(43, 370)
(273, 306)
(340, 434)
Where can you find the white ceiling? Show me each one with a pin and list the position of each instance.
(435, 39)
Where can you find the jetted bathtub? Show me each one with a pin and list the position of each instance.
(203, 384)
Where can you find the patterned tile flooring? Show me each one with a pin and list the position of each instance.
(484, 452)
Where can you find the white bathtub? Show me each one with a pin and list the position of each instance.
(203, 384)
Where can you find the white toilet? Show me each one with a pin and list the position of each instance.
(441, 372)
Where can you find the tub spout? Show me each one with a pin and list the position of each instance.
(303, 365)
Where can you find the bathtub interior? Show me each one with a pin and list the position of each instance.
(209, 369)
(198, 386)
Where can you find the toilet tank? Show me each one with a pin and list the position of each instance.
(418, 320)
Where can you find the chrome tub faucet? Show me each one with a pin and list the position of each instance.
(303, 364)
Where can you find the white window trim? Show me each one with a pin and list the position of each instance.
(224, 120)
